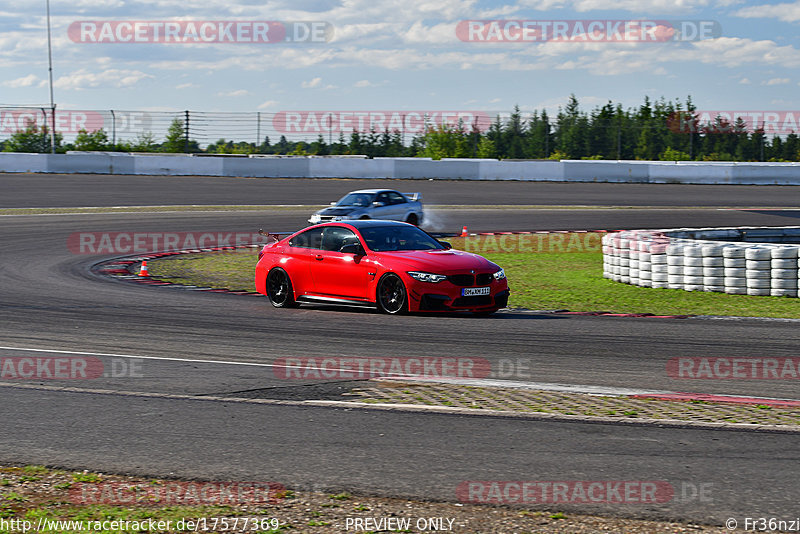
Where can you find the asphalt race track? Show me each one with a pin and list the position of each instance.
(195, 349)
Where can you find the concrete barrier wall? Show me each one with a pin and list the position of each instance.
(420, 168)
(739, 261)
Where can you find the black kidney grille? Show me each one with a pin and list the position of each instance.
(484, 279)
(461, 279)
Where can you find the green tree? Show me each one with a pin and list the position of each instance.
(791, 148)
(514, 136)
(144, 142)
(670, 154)
(486, 149)
(96, 140)
(320, 147)
(572, 126)
(601, 137)
(176, 137)
(646, 144)
(282, 146)
(32, 139)
(445, 141)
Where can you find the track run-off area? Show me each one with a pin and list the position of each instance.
(187, 383)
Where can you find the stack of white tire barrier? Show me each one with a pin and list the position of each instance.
(707, 259)
(784, 267)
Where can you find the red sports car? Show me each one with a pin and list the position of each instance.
(392, 265)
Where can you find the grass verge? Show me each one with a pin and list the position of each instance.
(39, 499)
(561, 271)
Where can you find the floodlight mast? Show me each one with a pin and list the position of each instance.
(50, 69)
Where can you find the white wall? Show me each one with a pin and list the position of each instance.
(421, 168)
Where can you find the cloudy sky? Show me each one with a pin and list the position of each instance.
(400, 55)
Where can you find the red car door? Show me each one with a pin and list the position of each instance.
(299, 260)
(338, 274)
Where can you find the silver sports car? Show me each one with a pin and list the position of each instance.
(373, 204)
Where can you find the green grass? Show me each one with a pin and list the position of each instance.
(547, 274)
(35, 469)
(86, 477)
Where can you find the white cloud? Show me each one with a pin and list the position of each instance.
(775, 81)
(789, 12)
(25, 81)
(189, 85)
(315, 82)
(745, 81)
(437, 34)
(268, 104)
(94, 4)
(234, 94)
(83, 79)
(734, 51)
(637, 6)
(603, 59)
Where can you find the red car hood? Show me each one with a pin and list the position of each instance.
(435, 261)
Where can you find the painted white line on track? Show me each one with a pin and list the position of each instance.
(570, 388)
(113, 355)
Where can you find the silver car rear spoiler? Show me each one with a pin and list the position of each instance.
(413, 196)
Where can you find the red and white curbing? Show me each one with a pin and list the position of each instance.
(611, 391)
(125, 268)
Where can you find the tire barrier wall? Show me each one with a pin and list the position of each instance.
(406, 168)
(738, 261)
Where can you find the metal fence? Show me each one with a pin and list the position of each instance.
(253, 127)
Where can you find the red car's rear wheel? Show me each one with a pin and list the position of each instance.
(391, 295)
(279, 289)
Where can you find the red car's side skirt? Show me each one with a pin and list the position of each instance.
(316, 299)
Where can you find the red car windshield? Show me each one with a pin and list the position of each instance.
(391, 238)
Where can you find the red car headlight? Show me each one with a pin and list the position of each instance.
(427, 277)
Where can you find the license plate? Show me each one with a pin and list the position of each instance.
(475, 291)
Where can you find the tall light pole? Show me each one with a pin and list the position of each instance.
(50, 69)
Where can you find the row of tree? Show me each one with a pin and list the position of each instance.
(661, 130)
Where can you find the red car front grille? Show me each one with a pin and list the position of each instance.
(465, 280)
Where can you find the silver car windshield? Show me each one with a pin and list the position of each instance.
(356, 200)
(389, 238)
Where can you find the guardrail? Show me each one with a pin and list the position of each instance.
(407, 168)
(739, 261)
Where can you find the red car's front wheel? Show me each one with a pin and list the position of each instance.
(391, 295)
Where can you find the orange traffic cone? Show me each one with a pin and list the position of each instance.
(143, 269)
(464, 232)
